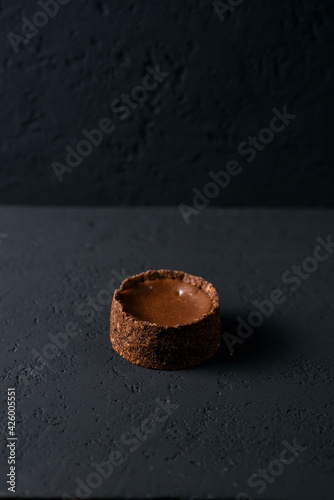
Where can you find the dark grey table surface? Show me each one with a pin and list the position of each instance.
(83, 412)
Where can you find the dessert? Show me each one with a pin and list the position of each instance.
(165, 320)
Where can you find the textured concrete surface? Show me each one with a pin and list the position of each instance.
(227, 418)
(224, 80)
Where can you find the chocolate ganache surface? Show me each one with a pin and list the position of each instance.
(165, 301)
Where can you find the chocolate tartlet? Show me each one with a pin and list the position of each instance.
(166, 320)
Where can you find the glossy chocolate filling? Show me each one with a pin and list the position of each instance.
(165, 301)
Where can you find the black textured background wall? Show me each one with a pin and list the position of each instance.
(186, 85)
